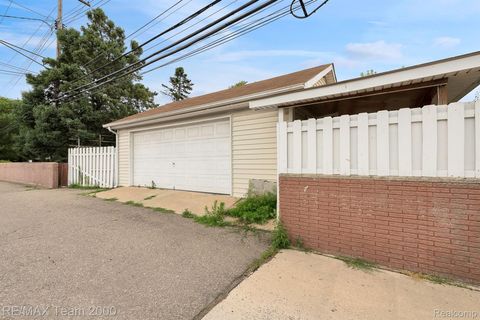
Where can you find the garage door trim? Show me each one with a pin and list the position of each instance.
(184, 123)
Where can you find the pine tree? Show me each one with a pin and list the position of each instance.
(47, 129)
(238, 84)
(180, 86)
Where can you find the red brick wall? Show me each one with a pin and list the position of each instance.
(423, 225)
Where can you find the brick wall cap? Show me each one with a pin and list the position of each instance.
(383, 178)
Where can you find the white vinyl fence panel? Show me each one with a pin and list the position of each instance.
(433, 141)
(93, 166)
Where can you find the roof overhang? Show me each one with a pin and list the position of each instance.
(462, 74)
(204, 109)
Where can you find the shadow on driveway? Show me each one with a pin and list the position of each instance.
(70, 252)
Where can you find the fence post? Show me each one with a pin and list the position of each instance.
(456, 140)
(363, 144)
(404, 142)
(345, 145)
(327, 145)
(477, 139)
(383, 156)
(312, 145)
(429, 143)
(282, 152)
(297, 146)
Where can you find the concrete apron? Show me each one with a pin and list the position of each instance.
(174, 200)
(297, 285)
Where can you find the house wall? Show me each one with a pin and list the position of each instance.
(429, 225)
(124, 157)
(253, 148)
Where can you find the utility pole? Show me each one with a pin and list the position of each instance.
(59, 21)
(59, 24)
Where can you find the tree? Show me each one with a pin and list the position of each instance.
(180, 86)
(48, 128)
(368, 73)
(8, 128)
(238, 84)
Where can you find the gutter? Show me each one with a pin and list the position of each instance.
(116, 155)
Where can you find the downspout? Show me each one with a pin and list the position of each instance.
(116, 156)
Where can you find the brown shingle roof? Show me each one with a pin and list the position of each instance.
(295, 78)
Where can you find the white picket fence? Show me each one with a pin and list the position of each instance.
(95, 166)
(433, 141)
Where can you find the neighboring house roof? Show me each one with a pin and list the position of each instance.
(461, 74)
(289, 82)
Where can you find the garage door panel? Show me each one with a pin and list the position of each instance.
(195, 157)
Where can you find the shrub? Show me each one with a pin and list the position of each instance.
(255, 208)
(280, 237)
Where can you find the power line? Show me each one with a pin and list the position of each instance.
(247, 28)
(143, 63)
(177, 25)
(9, 45)
(80, 14)
(28, 9)
(25, 18)
(12, 72)
(155, 18)
(11, 66)
(189, 27)
(6, 10)
(38, 49)
(103, 53)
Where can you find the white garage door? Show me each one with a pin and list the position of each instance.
(191, 157)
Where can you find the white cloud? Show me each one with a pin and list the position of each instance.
(375, 50)
(446, 42)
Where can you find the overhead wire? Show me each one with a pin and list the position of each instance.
(144, 62)
(177, 25)
(28, 9)
(17, 49)
(103, 53)
(246, 29)
(6, 10)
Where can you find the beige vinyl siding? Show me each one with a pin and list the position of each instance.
(254, 148)
(123, 158)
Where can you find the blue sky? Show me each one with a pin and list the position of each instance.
(355, 35)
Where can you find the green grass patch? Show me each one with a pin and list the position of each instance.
(255, 208)
(266, 256)
(358, 263)
(280, 237)
(188, 214)
(135, 204)
(432, 278)
(163, 210)
(5, 161)
(150, 197)
(81, 187)
(213, 217)
(279, 241)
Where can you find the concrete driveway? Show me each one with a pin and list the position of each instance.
(295, 285)
(65, 253)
